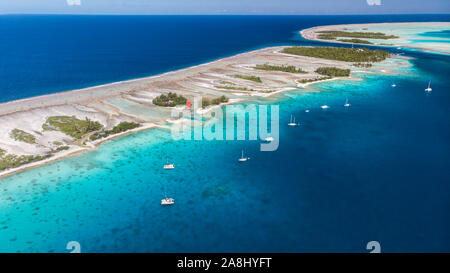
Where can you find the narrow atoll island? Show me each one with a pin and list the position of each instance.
(38, 130)
(401, 35)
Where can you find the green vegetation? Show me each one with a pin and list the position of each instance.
(62, 148)
(243, 89)
(314, 80)
(283, 68)
(219, 100)
(234, 88)
(333, 71)
(8, 161)
(333, 34)
(206, 102)
(23, 136)
(356, 41)
(227, 82)
(121, 127)
(71, 126)
(339, 53)
(329, 73)
(169, 100)
(57, 143)
(249, 78)
(365, 65)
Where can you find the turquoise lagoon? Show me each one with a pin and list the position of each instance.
(430, 36)
(346, 176)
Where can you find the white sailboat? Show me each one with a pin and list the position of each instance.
(243, 159)
(429, 87)
(394, 85)
(169, 166)
(346, 103)
(292, 122)
(324, 106)
(307, 111)
(269, 139)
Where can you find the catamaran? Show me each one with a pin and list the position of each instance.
(167, 201)
(346, 103)
(292, 122)
(169, 166)
(429, 87)
(243, 159)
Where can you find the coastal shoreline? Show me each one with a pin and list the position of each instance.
(103, 94)
(113, 84)
(96, 144)
(74, 152)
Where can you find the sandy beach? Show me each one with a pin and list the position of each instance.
(131, 100)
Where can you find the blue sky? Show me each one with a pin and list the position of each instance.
(224, 6)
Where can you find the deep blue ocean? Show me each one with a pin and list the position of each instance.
(377, 171)
(43, 54)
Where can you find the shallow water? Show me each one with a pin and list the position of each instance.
(432, 37)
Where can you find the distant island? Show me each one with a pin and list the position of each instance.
(355, 35)
(400, 35)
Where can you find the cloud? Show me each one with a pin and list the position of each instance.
(374, 2)
(73, 2)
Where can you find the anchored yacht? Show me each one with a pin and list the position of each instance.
(169, 166)
(429, 87)
(292, 122)
(167, 201)
(346, 103)
(243, 159)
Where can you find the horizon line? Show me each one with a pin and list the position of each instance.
(223, 14)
